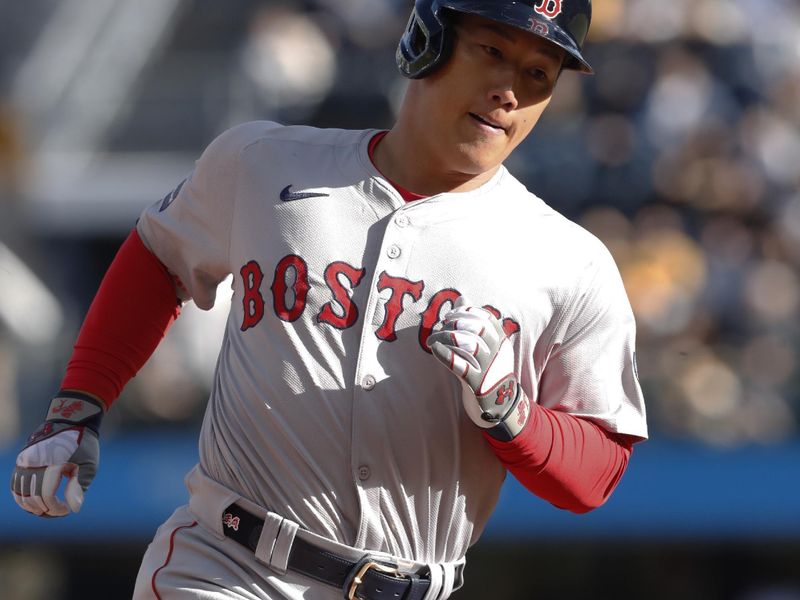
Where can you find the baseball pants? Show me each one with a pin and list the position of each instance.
(190, 557)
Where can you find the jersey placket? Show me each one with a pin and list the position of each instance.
(371, 383)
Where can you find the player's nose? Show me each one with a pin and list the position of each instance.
(501, 92)
(505, 97)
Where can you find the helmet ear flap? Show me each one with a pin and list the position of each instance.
(425, 45)
(417, 40)
(443, 49)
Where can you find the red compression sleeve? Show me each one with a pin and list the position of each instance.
(568, 461)
(132, 311)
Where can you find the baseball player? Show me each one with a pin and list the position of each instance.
(408, 324)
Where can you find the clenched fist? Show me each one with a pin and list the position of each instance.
(65, 445)
(470, 341)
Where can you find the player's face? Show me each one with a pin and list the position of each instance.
(490, 94)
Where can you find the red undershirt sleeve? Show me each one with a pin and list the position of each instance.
(571, 462)
(130, 314)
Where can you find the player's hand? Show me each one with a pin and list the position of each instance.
(65, 445)
(471, 342)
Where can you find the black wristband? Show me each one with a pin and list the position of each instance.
(76, 408)
(502, 432)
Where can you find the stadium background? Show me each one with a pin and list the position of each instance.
(682, 154)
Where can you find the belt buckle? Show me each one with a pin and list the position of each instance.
(367, 566)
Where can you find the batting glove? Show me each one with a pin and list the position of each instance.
(65, 445)
(470, 341)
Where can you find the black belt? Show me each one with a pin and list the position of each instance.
(365, 579)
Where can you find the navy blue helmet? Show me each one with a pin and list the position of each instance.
(428, 38)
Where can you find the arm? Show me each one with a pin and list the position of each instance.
(188, 231)
(133, 309)
(569, 461)
(131, 312)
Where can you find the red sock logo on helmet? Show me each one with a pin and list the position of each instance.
(549, 8)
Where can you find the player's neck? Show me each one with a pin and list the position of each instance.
(405, 158)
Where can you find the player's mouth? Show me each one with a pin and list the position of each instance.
(488, 122)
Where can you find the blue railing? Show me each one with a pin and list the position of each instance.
(670, 491)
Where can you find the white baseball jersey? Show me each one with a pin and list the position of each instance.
(327, 406)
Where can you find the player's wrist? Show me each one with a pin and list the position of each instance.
(83, 393)
(514, 420)
(67, 445)
(76, 408)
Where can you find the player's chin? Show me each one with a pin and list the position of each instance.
(480, 157)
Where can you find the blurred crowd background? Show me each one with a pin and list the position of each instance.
(682, 153)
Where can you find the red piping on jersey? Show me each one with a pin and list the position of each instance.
(169, 556)
(407, 195)
(133, 309)
(571, 462)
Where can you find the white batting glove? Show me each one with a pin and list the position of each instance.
(65, 445)
(470, 341)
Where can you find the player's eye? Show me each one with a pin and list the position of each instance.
(539, 75)
(492, 51)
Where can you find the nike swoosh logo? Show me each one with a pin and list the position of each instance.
(287, 195)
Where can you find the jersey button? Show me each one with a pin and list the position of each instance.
(393, 251)
(363, 472)
(402, 221)
(368, 382)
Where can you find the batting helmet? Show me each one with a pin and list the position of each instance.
(428, 38)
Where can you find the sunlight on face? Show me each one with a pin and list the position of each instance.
(490, 94)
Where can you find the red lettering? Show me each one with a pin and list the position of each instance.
(299, 287)
(340, 295)
(522, 411)
(433, 314)
(290, 288)
(549, 8)
(540, 28)
(230, 521)
(252, 300)
(394, 306)
(495, 313)
(510, 326)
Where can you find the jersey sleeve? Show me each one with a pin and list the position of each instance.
(189, 229)
(591, 369)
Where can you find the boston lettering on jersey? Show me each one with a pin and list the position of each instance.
(253, 302)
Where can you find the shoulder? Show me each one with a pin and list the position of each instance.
(590, 258)
(584, 244)
(263, 135)
(568, 242)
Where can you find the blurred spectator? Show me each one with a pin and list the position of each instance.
(288, 66)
